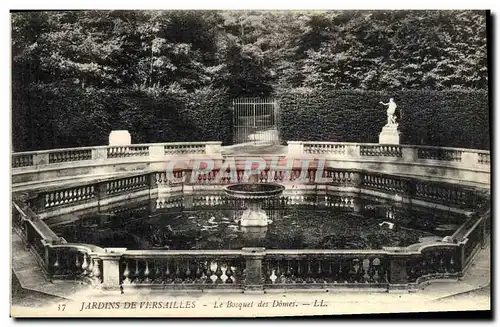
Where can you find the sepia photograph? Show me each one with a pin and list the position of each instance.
(249, 163)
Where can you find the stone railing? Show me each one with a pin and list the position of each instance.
(325, 148)
(249, 268)
(186, 269)
(56, 258)
(474, 239)
(453, 165)
(58, 200)
(471, 157)
(39, 166)
(37, 159)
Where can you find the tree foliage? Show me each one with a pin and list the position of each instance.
(78, 74)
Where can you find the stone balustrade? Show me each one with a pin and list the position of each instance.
(51, 202)
(329, 268)
(89, 194)
(455, 165)
(127, 151)
(188, 269)
(325, 148)
(460, 166)
(249, 268)
(39, 166)
(378, 150)
(412, 153)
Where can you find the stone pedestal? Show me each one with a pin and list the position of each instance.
(253, 269)
(120, 137)
(111, 267)
(389, 135)
(254, 233)
(253, 215)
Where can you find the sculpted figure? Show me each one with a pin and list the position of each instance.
(391, 109)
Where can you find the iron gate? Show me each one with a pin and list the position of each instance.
(255, 121)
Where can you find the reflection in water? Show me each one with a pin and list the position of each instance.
(298, 223)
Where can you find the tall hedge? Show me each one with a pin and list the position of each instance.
(455, 118)
(70, 117)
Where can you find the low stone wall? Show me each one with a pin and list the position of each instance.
(248, 269)
(32, 168)
(462, 166)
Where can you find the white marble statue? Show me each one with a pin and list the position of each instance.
(391, 109)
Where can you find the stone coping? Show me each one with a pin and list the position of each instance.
(389, 145)
(117, 146)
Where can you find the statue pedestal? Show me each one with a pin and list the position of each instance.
(253, 215)
(389, 135)
(120, 137)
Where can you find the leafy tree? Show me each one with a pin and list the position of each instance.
(96, 70)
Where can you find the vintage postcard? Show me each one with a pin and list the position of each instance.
(251, 163)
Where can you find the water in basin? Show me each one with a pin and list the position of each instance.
(307, 225)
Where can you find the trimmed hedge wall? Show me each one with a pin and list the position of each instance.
(439, 118)
(71, 117)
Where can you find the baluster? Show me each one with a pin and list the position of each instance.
(90, 268)
(273, 277)
(177, 273)
(96, 271)
(212, 267)
(223, 275)
(157, 272)
(218, 273)
(136, 275)
(309, 273)
(230, 275)
(85, 264)
(77, 261)
(147, 279)
(319, 273)
(56, 264)
(188, 273)
(168, 274)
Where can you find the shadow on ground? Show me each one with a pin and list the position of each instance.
(27, 298)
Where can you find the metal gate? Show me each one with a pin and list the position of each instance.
(255, 121)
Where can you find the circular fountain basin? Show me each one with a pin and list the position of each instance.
(251, 191)
(253, 194)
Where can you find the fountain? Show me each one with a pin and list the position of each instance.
(253, 193)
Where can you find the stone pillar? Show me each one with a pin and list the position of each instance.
(253, 280)
(157, 151)
(461, 257)
(188, 201)
(470, 159)
(357, 203)
(101, 190)
(409, 153)
(120, 137)
(357, 179)
(295, 148)
(389, 135)
(46, 262)
(483, 232)
(40, 159)
(398, 278)
(352, 151)
(39, 203)
(111, 267)
(213, 148)
(100, 153)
